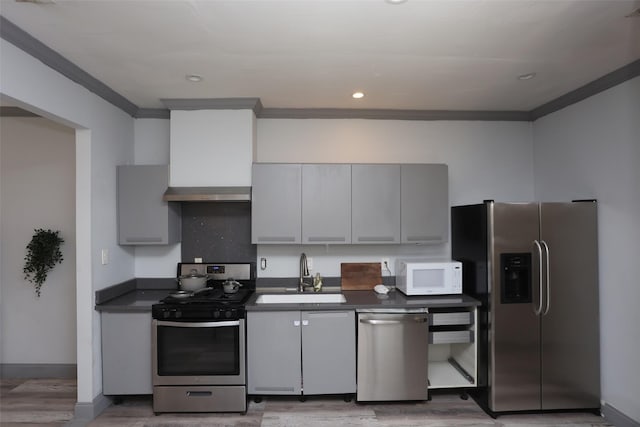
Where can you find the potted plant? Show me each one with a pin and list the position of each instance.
(43, 253)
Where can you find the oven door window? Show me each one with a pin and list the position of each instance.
(210, 348)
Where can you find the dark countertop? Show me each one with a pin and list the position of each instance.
(135, 295)
(138, 295)
(369, 299)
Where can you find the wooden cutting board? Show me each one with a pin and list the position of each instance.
(360, 276)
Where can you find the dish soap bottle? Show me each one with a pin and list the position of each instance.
(317, 283)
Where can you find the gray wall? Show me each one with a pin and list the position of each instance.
(592, 150)
(37, 176)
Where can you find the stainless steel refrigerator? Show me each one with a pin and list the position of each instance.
(534, 267)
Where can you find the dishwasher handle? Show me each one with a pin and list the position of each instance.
(394, 322)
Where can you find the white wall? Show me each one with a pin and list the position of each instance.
(152, 148)
(37, 191)
(151, 141)
(592, 150)
(104, 139)
(211, 146)
(487, 160)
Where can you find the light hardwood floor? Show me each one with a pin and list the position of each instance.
(48, 403)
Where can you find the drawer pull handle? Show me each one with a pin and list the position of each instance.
(199, 393)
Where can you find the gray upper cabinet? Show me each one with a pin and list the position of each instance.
(143, 217)
(350, 203)
(276, 203)
(326, 203)
(424, 203)
(375, 203)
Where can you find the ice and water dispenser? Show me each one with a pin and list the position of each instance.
(515, 282)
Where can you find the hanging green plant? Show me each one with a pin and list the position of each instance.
(43, 253)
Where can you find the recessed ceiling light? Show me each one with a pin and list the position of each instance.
(193, 78)
(396, 1)
(527, 76)
(357, 95)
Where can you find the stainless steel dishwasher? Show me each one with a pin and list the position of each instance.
(392, 354)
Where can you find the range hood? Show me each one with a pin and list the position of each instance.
(207, 194)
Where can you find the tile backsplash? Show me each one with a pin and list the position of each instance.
(217, 232)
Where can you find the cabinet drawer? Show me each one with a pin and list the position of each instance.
(450, 337)
(199, 399)
(451, 318)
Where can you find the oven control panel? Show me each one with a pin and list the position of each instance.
(197, 314)
(218, 271)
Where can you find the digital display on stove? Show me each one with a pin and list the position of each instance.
(215, 269)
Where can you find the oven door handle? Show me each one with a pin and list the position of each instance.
(199, 324)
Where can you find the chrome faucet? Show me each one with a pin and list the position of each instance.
(304, 272)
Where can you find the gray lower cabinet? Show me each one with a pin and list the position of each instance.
(276, 203)
(274, 341)
(143, 217)
(293, 352)
(126, 353)
(424, 203)
(328, 352)
(375, 203)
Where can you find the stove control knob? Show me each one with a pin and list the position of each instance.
(178, 314)
(228, 314)
(216, 314)
(166, 314)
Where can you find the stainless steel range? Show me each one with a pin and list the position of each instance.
(199, 344)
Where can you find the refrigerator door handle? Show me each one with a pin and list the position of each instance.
(548, 292)
(538, 310)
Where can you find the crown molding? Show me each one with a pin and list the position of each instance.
(152, 113)
(605, 82)
(389, 114)
(214, 104)
(34, 47)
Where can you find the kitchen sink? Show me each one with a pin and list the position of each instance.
(300, 299)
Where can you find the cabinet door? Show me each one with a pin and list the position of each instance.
(273, 352)
(143, 217)
(329, 352)
(276, 203)
(375, 203)
(326, 204)
(424, 203)
(126, 353)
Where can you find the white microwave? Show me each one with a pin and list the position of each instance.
(425, 277)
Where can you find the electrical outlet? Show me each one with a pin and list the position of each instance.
(310, 263)
(385, 264)
(105, 256)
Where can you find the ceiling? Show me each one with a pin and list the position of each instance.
(417, 55)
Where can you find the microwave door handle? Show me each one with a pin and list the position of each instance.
(548, 296)
(538, 310)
